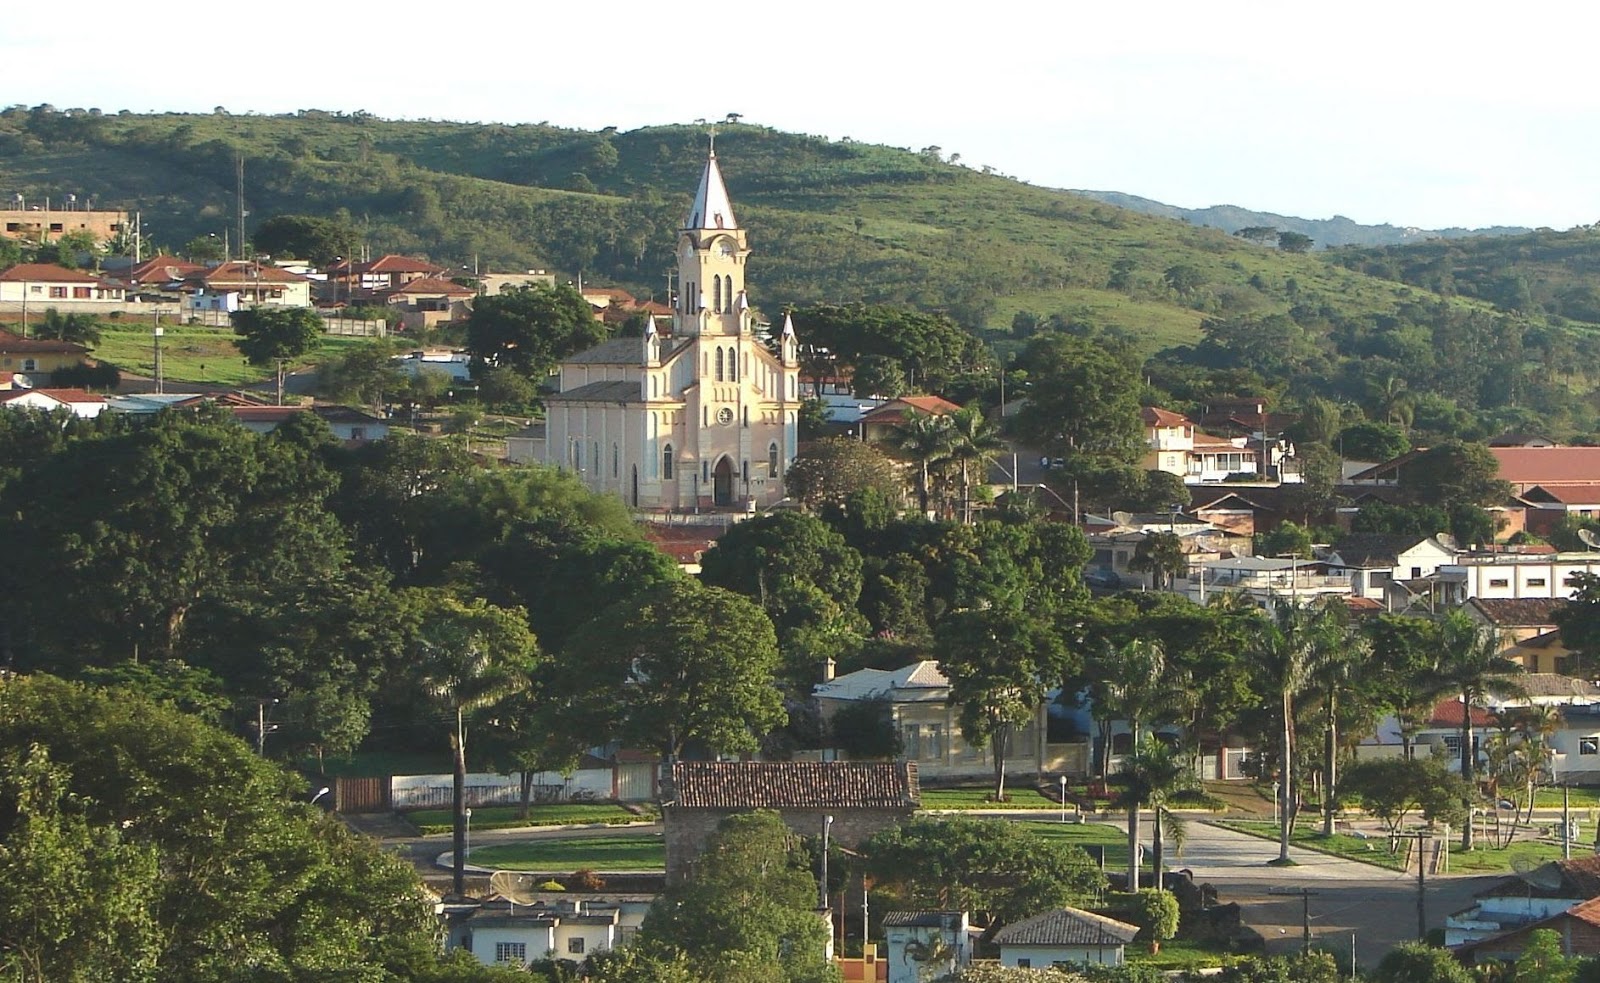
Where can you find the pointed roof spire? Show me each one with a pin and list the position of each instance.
(788, 325)
(650, 326)
(712, 208)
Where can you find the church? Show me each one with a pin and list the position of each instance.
(703, 416)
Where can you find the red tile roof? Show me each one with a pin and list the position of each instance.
(1155, 416)
(60, 395)
(898, 409)
(12, 344)
(46, 273)
(392, 263)
(163, 269)
(1447, 713)
(794, 785)
(244, 272)
(435, 285)
(1519, 612)
(1585, 493)
(1548, 465)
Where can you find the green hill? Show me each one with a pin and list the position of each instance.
(839, 221)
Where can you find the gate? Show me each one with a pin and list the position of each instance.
(636, 782)
(353, 795)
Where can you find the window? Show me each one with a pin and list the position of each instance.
(1024, 962)
(772, 460)
(744, 470)
(719, 364)
(911, 741)
(1535, 581)
(358, 433)
(935, 741)
(1499, 582)
(1589, 745)
(616, 459)
(1416, 572)
(705, 470)
(82, 293)
(733, 365)
(575, 946)
(58, 292)
(511, 952)
(34, 288)
(716, 299)
(666, 462)
(30, 365)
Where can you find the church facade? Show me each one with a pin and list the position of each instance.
(703, 416)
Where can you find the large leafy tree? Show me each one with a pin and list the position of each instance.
(218, 873)
(929, 348)
(1001, 665)
(1083, 400)
(831, 470)
(311, 237)
(678, 665)
(276, 336)
(795, 566)
(748, 909)
(531, 329)
(1000, 871)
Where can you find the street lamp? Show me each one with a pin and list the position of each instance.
(466, 845)
(827, 824)
(1063, 800)
(324, 790)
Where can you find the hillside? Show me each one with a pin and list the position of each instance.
(1326, 232)
(830, 221)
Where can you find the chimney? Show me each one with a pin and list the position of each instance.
(828, 667)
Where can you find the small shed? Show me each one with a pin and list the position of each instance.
(924, 944)
(1064, 937)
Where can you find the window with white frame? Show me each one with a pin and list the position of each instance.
(1589, 745)
(511, 952)
(575, 945)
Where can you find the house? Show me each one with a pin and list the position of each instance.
(48, 284)
(74, 401)
(917, 700)
(505, 933)
(239, 284)
(704, 416)
(1267, 581)
(428, 302)
(1500, 574)
(38, 358)
(1577, 928)
(456, 365)
(347, 423)
(1372, 561)
(358, 280)
(526, 445)
(881, 423)
(1543, 653)
(1547, 467)
(1439, 732)
(1514, 903)
(1175, 445)
(924, 945)
(43, 224)
(1516, 619)
(499, 283)
(1546, 509)
(159, 273)
(1065, 937)
(860, 797)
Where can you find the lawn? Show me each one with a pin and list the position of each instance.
(1371, 851)
(547, 814)
(195, 353)
(1493, 861)
(1108, 838)
(585, 853)
(1580, 798)
(1178, 954)
(978, 798)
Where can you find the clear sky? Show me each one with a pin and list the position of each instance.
(1412, 112)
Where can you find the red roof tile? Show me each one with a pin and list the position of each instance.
(46, 273)
(392, 263)
(794, 785)
(898, 409)
(1548, 465)
(1155, 416)
(1447, 713)
(435, 285)
(244, 272)
(12, 344)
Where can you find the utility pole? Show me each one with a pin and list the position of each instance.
(1422, 884)
(156, 333)
(1304, 893)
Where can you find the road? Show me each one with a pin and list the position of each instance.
(1379, 905)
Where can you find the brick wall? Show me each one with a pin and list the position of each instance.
(687, 830)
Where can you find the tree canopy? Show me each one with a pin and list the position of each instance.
(530, 329)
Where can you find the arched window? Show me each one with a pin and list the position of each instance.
(719, 363)
(716, 293)
(616, 461)
(666, 462)
(733, 365)
(772, 460)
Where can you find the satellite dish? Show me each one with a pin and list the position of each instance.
(1589, 538)
(1545, 876)
(1122, 518)
(515, 886)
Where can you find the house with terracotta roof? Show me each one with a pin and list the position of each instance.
(74, 401)
(862, 798)
(1439, 732)
(1518, 903)
(430, 301)
(47, 284)
(37, 358)
(1064, 938)
(880, 423)
(1175, 445)
(348, 424)
(159, 272)
(239, 284)
(1515, 619)
(361, 280)
(1577, 929)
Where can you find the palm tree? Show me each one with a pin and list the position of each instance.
(472, 659)
(1135, 684)
(974, 442)
(926, 439)
(1337, 674)
(1470, 665)
(1288, 653)
(1154, 775)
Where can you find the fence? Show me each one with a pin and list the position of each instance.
(433, 791)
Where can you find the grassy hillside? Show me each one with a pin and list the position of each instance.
(830, 221)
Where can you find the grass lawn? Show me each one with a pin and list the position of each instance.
(1177, 954)
(195, 353)
(1243, 797)
(978, 798)
(1109, 838)
(1372, 851)
(1581, 798)
(1493, 861)
(1483, 860)
(506, 817)
(563, 856)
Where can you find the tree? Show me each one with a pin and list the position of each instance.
(471, 658)
(747, 910)
(974, 442)
(878, 376)
(1579, 619)
(1455, 472)
(835, 468)
(174, 844)
(1417, 962)
(1287, 538)
(1294, 242)
(1158, 912)
(1000, 871)
(1083, 399)
(1161, 555)
(1184, 279)
(1371, 440)
(1258, 234)
(1287, 653)
(930, 348)
(925, 438)
(321, 241)
(1001, 665)
(1153, 776)
(1390, 789)
(80, 329)
(681, 664)
(363, 374)
(530, 329)
(276, 335)
(1471, 666)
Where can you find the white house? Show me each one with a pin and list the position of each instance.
(1065, 937)
(75, 401)
(924, 945)
(506, 933)
(239, 284)
(1513, 902)
(1372, 561)
(1500, 575)
(47, 284)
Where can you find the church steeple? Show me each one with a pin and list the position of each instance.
(711, 258)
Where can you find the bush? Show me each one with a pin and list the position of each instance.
(1157, 913)
(103, 376)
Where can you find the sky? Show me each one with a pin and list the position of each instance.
(1410, 112)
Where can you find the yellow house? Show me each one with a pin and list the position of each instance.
(37, 358)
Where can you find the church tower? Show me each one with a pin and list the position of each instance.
(711, 260)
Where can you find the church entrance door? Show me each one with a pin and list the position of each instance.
(722, 482)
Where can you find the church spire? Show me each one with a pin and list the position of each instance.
(712, 208)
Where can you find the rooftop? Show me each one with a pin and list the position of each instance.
(794, 785)
(1067, 927)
